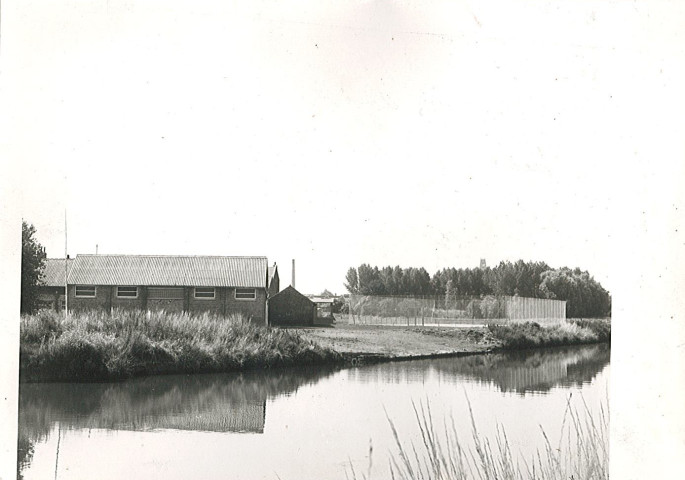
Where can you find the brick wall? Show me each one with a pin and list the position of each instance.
(129, 302)
(102, 299)
(254, 309)
(223, 303)
(213, 305)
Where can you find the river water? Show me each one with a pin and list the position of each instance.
(299, 423)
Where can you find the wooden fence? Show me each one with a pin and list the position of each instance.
(437, 311)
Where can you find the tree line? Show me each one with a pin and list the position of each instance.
(585, 296)
(32, 265)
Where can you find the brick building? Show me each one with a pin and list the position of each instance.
(221, 285)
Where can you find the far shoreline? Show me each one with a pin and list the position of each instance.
(443, 342)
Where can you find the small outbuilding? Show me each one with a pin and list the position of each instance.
(51, 289)
(291, 308)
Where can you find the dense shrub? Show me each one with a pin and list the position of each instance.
(532, 334)
(600, 327)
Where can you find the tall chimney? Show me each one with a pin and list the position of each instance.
(292, 283)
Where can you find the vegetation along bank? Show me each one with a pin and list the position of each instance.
(97, 346)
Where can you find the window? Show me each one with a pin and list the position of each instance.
(205, 293)
(87, 291)
(245, 293)
(127, 292)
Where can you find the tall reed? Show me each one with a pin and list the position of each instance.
(92, 346)
(582, 452)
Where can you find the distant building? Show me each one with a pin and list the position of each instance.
(324, 306)
(274, 281)
(483, 266)
(221, 285)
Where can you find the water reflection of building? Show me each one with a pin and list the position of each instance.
(521, 372)
(217, 403)
(245, 418)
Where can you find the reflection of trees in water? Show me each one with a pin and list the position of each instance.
(237, 402)
(538, 371)
(24, 455)
(522, 372)
(217, 402)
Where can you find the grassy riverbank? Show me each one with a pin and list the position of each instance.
(96, 346)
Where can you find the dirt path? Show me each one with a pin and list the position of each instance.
(400, 342)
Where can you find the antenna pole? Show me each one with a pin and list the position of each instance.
(66, 269)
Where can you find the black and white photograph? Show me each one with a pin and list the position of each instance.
(362, 239)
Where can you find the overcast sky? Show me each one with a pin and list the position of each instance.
(427, 134)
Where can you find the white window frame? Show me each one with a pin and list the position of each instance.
(94, 287)
(128, 297)
(251, 299)
(213, 297)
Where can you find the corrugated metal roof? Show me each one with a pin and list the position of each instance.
(197, 271)
(53, 275)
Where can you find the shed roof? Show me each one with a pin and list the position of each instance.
(203, 271)
(53, 274)
(290, 291)
(322, 299)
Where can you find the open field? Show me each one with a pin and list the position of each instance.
(394, 342)
(399, 342)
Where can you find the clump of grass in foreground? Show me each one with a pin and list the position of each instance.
(93, 346)
(564, 332)
(582, 452)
